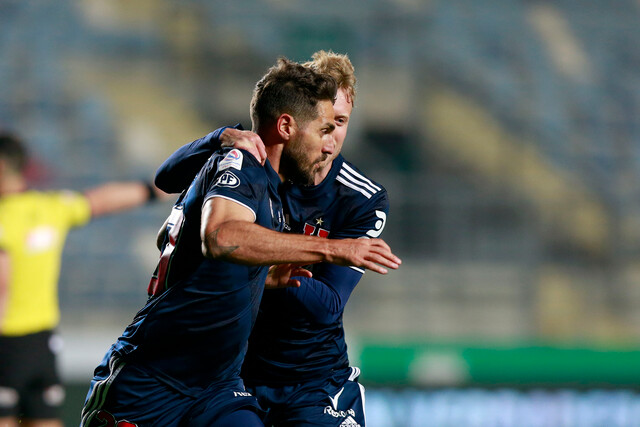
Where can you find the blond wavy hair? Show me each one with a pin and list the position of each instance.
(339, 67)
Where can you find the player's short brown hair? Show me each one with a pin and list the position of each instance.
(290, 88)
(339, 67)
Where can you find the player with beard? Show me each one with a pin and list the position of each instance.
(297, 364)
(178, 362)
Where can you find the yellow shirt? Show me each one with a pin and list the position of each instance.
(33, 229)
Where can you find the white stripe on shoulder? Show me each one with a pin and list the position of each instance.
(356, 181)
(355, 187)
(233, 200)
(358, 269)
(359, 175)
(362, 184)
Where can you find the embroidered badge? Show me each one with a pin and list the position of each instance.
(233, 159)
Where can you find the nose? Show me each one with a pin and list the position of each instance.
(329, 145)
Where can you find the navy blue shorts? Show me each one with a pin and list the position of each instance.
(334, 402)
(125, 395)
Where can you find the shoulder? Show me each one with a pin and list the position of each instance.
(230, 166)
(235, 158)
(358, 185)
(232, 172)
(233, 161)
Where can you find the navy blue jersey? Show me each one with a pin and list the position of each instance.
(299, 333)
(193, 331)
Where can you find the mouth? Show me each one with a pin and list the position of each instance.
(323, 160)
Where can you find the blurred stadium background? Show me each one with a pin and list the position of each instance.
(507, 133)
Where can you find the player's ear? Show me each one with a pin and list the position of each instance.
(286, 126)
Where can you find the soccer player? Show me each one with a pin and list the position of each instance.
(178, 363)
(33, 228)
(297, 364)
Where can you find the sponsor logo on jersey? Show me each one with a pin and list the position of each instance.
(339, 414)
(349, 422)
(227, 179)
(379, 225)
(241, 394)
(233, 159)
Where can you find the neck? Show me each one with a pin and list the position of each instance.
(274, 153)
(322, 174)
(274, 146)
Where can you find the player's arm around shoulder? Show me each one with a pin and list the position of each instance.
(228, 233)
(225, 226)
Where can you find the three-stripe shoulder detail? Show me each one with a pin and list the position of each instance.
(356, 181)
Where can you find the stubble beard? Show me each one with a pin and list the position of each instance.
(297, 167)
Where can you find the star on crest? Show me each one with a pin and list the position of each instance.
(319, 221)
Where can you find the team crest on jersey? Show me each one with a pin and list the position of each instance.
(312, 230)
(227, 179)
(233, 159)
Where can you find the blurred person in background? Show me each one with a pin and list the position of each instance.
(33, 228)
(297, 363)
(179, 362)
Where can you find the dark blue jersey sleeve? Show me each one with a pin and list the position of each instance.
(325, 295)
(177, 172)
(238, 177)
(366, 220)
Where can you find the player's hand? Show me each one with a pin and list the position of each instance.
(372, 254)
(246, 140)
(280, 276)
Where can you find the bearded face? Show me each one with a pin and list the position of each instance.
(310, 147)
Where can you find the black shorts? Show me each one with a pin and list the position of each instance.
(29, 384)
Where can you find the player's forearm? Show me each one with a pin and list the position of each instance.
(118, 196)
(248, 243)
(321, 302)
